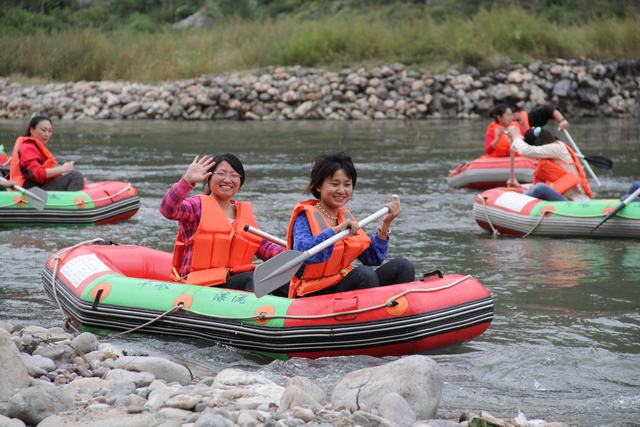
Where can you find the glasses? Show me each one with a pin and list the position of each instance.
(231, 175)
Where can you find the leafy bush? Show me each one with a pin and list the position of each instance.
(118, 41)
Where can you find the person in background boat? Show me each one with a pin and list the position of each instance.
(32, 164)
(496, 138)
(4, 171)
(632, 188)
(212, 248)
(559, 174)
(537, 117)
(333, 179)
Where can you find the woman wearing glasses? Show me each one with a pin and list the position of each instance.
(212, 248)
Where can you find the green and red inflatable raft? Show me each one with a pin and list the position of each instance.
(125, 287)
(510, 212)
(98, 203)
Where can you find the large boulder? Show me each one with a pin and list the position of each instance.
(254, 389)
(13, 372)
(162, 369)
(103, 417)
(85, 343)
(414, 378)
(34, 404)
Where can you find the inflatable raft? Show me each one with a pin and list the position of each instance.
(512, 213)
(125, 288)
(488, 172)
(98, 203)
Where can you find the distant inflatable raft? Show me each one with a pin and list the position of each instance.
(488, 172)
(126, 288)
(98, 203)
(516, 214)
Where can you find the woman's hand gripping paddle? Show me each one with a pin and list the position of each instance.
(36, 197)
(618, 208)
(270, 275)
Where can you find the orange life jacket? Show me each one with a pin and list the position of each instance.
(316, 277)
(560, 179)
(219, 247)
(504, 144)
(15, 171)
(523, 123)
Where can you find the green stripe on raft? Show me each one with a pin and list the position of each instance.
(161, 296)
(62, 200)
(594, 208)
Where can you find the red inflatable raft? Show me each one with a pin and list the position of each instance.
(488, 172)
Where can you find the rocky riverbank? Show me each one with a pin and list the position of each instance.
(581, 88)
(52, 378)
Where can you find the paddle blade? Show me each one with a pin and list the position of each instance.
(600, 162)
(36, 197)
(276, 272)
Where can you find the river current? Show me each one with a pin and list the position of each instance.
(565, 341)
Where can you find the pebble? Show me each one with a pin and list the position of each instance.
(156, 392)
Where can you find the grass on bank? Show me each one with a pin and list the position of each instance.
(483, 40)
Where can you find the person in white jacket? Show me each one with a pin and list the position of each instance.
(559, 174)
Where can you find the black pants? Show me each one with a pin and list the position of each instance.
(73, 181)
(244, 282)
(398, 270)
(240, 282)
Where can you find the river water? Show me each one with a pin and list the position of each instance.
(565, 342)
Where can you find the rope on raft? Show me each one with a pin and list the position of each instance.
(264, 316)
(486, 215)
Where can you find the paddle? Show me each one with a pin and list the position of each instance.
(277, 271)
(264, 235)
(512, 170)
(618, 208)
(36, 197)
(581, 156)
(600, 162)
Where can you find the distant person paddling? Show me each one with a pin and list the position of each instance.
(497, 142)
(538, 117)
(32, 164)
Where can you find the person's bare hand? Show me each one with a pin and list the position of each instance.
(563, 124)
(394, 211)
(68, 166)
(350, 224)
(198, 170)
(513, 132)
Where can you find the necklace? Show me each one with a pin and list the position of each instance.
(325, 213)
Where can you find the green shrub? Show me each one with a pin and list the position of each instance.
(139, 49)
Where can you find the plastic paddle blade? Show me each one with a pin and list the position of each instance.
(600, 162)
(276, 272)
(37, 197)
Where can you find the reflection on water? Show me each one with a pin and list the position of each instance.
(564, 343)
